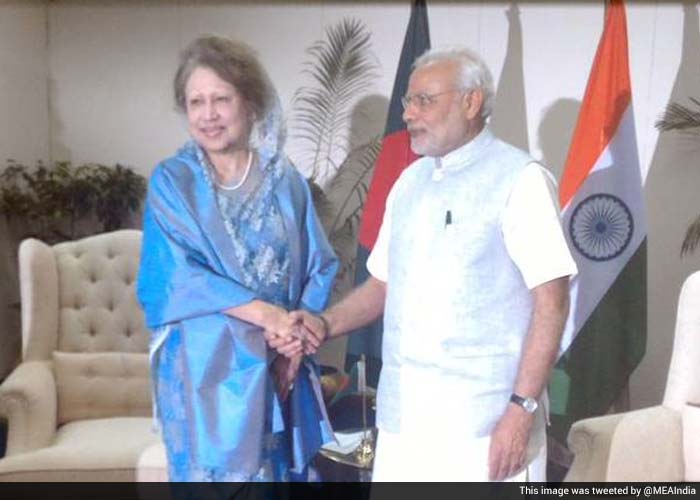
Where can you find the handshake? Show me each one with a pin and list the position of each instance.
(293, 335)
(296, 333)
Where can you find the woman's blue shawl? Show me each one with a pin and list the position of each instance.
(188, 275)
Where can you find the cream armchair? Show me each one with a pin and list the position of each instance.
(661, 443)
(78, 406)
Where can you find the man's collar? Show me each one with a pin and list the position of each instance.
(464, 155)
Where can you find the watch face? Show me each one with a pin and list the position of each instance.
(530, 404)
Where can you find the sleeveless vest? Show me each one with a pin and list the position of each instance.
(457, 308)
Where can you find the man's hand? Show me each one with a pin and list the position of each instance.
(510, 437)
(509, 443)
(301, 333)
(315, 329)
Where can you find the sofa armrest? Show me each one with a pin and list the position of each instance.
(28, 402)
(647, 446)
(589, 440)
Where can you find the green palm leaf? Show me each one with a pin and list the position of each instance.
(685, 118)
(341, 68)
(680, 117)
(692, 237)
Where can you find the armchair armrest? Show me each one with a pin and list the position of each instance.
(641, 445)
(589, 440)
(648, 446)
(28, 401)
(690, 415)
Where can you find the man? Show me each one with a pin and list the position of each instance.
(471, 271)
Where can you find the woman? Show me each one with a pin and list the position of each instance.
(231, 243)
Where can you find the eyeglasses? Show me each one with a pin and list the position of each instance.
(423, 101)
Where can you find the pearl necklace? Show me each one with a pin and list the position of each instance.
(243, 179)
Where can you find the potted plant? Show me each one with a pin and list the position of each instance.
(60, 201)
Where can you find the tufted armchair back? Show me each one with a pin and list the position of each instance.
(79, 312)
(79, 296)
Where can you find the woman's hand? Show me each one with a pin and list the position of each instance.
(279, 328)
(288, 346)
(284, 373)
(279, 323)
(289, 333)
(315, 329)
(284, 333)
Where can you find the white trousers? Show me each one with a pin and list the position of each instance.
(403, 458)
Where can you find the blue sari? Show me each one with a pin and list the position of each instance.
(214, 397)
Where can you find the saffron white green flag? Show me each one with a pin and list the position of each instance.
(604, 220)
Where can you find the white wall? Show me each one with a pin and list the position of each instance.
(23, 87)
(23, 135)
(110, 68)
(111, 64)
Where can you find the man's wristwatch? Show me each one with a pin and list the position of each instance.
(528, 404)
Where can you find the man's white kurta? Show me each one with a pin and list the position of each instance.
(463, 241)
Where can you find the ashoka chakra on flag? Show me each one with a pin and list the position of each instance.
(601, 227)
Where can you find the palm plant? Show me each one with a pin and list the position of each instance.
(342, 68)
(685, 118)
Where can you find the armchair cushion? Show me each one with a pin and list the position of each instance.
(152, 466)
(88, 450)
(101, 385)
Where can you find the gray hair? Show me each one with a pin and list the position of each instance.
(473, 72)
(234, 62)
